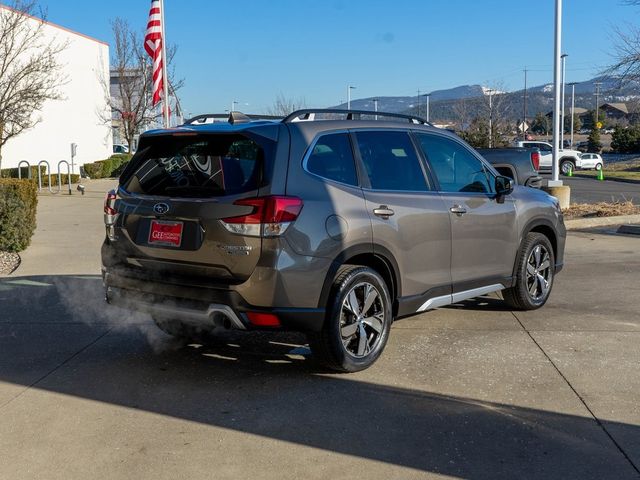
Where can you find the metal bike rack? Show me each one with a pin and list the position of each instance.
(28, 169)
(60, 175)
(40, 175)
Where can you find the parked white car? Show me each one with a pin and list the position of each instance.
(591, 161)
(569, 159)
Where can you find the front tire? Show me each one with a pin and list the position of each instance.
(598, 167)
(567, 165)
(358, 321)
(535, 268)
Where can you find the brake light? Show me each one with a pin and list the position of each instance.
(535, 159)
(271, 216)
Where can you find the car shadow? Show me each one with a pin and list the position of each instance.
(268, 385)
(485, 303)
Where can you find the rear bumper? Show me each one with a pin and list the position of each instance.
(204, 307)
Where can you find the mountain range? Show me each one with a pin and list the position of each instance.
(444, 103)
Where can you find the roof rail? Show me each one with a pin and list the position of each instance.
(229, 117)
(351, 115)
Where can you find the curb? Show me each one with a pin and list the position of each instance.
(609, 179)
(580, 223)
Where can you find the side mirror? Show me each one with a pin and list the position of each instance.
(504, 186)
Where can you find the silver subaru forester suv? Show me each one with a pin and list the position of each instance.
(330, 222)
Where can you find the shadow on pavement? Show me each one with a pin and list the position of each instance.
(267, 385)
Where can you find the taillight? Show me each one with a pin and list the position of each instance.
(535, 159)
(109, 203)
(110, 214)
(270, 217)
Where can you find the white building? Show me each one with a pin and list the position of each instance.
(83, 114)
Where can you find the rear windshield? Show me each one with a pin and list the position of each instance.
(197, 166)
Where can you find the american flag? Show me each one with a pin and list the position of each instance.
(153, 45)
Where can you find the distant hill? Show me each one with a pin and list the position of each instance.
(539, 99)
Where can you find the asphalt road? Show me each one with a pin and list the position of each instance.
(587, 190)
(473, 391)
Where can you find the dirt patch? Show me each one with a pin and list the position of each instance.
(8, 262)
(602, 209)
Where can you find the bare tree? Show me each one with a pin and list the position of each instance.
(462, 114)
(283, 106)
(626, 53)
(132, 76)
(30, 73)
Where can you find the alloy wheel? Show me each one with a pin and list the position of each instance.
(539, 273)
(362, 319)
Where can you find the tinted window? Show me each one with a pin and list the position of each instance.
(196, 166)
(332, 158)
(391, 161)
(455, 167)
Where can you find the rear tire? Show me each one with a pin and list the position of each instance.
(598, 167)
(357, 323)
(535, 269)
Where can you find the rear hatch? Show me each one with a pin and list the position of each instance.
(172, 198)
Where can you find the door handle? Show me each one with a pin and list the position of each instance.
(383, 211)
(458, 210)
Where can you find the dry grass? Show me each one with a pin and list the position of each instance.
(602, 209)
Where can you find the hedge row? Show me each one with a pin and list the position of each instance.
(75, 178)
(107, 168)
(18, 201)
(13, 172)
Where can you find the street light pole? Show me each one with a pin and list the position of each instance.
(375, 107)
(428, 95)
(557, 84)
(349, 88)
(564, 61)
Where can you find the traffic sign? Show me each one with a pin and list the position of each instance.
(599, 125)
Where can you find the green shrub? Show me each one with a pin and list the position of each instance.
(18, 201)
(13, 172)
(106, 168)
(75, 178)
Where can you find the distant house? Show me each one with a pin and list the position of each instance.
(615, 111)
(582, 113)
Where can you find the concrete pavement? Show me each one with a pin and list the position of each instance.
(472, 391)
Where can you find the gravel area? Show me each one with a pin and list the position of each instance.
(8, 262)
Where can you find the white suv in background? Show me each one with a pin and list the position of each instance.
(569, 159)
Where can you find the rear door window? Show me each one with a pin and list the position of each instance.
(332, 158)
(390, 161)
(197, 166)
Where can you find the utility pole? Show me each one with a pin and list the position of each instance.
(375, 107)
(419, 103)
(490, 92)
(573, 108)
(524, 108)
(597, 84)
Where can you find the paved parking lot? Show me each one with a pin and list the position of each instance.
(473, 391)
(589, 190)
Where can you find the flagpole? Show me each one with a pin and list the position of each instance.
(165, 61)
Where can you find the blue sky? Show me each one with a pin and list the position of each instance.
(252, 50)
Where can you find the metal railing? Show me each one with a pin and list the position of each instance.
(48, 170)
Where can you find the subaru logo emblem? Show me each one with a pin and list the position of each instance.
(161, 208)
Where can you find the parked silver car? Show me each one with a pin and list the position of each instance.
(331, 222)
